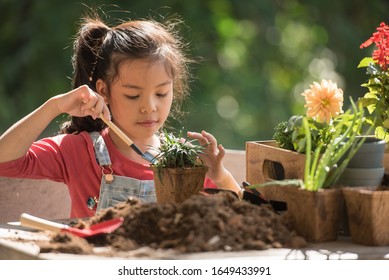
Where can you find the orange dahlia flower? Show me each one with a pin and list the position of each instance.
(324, 101)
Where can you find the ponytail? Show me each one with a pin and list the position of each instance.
(87, 49)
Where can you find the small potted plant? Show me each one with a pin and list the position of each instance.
(324, 111)
(366, 206)
(314, 203)
(178, 170)
(284, 156)
(318, 145)
(376, 100)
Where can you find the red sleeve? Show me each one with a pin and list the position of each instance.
(47, 159)
(208, 183)
(41, 161)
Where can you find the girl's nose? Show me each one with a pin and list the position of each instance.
(148, 106)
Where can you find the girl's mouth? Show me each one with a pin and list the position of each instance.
(147, 123)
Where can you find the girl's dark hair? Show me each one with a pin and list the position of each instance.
(99, 50)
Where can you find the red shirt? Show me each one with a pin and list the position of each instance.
(71, 159)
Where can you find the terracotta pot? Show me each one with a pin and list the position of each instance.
(178, 184)
(367, 212)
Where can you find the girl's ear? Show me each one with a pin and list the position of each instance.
(102, 89)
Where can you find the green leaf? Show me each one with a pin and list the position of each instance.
(371, 95)
(386, 123)
(380, 132)
(178, 152)
(365, 62)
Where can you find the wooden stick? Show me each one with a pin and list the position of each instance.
(117, 130)
(30, 221)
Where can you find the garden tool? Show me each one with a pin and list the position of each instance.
(108, 226)
(146, 155)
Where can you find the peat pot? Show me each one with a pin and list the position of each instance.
(367, 211)
(178, 184)
(314, 215)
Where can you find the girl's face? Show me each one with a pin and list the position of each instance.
(140, 97)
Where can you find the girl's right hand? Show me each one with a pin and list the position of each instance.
(82, 102)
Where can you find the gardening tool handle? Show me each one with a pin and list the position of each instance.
(117, 130)
(30, 221)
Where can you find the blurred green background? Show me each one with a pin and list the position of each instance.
(257, 56)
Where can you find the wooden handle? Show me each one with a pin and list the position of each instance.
(116, 130)
(30, 221)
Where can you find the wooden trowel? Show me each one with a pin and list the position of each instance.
(109, 226)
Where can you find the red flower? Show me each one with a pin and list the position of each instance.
(381, 40)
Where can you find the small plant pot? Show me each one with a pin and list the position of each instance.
(368, 211)
(370, 154)
(178, 184)
(314, 215)
(366, 167)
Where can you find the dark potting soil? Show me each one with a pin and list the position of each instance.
(217, 222)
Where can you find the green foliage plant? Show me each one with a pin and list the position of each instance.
(324, 102)
(291, 134)
(323, 169)
(178, 152)
(376, 100)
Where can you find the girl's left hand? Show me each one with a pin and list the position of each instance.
(213, 159)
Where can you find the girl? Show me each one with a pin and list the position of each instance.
(134, 74)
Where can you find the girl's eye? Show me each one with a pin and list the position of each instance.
(132, 97)
(162, 94)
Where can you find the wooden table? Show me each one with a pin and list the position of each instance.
(18, 244)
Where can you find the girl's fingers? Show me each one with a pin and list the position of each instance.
(203, 137)
(210, 138)
(106, 112)
(211, 141)
(97, 109)
(221, 153)
(81, 102)
(93, 104)
(89, 103)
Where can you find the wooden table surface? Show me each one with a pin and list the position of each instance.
(18, 244)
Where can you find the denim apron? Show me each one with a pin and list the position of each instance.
(114, 188)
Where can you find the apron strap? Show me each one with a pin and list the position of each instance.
(101, 151)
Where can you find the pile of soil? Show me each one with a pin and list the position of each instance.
(217, 222)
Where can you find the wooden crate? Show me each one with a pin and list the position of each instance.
(265, 160)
